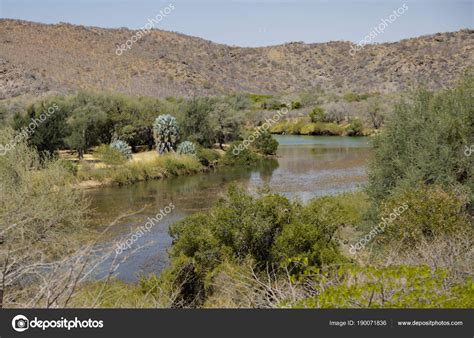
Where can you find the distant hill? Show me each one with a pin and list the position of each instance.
(36, 58)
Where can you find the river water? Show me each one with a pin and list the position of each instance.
(306, 167)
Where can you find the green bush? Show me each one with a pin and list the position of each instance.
(267, 229)
(430, 211)
(109, 155)
(295, 105)
(206, 156)
(424, 142)
(265, 144)
(317, 115)
(355, 128)
(238, 154)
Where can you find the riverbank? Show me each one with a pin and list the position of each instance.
(92, 173)
(305, 127)
(142, 167)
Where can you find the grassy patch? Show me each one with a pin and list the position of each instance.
(155, 167)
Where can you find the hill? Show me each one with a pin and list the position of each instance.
(37, 58)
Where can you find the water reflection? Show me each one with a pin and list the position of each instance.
(306, 167)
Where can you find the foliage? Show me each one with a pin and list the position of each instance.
(355, 128)
(354, 97)
(122, 147)
(70, 166)
(186, 148)
(303, 128)
(295, 105)
(238, 154)
(431, 212)
(268, 229)
(109, 155)
(375, 114)
(38, 212)
(206, 156)
(85, 124)
(226, 123)
(265, 143)
(317, 115)
(48, 135)
(166, 133)
(424, 142)
(390, 287)
(196, 122)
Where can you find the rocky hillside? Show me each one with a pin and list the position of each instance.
(36, 58)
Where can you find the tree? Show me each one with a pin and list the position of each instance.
(196, 123)
(375, 114)
(226, 123)
(48, 131)
(166, 133)
(85, 125)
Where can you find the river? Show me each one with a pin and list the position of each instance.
(306, 167)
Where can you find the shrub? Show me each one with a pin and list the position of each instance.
(70, 166)
(187, 148)
(123, 148)
(166, 133)
(295, 105)
(389, 287)
(309, 129)
(355, 128)
(238, 154)
(431, 211)
(109, 155)
(266, 144)
(267, 229)
(317, 115)
(424, 142)
(207, 156)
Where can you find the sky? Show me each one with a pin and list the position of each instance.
(257, 23)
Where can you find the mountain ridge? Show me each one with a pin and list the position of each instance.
(37, 58)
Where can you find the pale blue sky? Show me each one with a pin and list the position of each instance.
(257, 23)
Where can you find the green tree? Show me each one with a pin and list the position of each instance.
(196, 122)
(48, 131)
(226, 123)
(85, 125)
